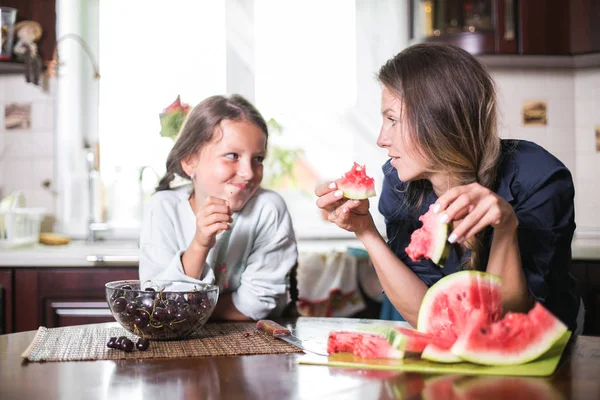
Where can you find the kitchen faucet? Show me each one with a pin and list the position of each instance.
(94, 226)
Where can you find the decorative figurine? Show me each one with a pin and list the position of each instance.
(27, 34)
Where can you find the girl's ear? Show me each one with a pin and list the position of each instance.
(189, 164)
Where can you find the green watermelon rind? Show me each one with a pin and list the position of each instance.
(442, 286)
(531, 352)
(395, 339)
(441, 245)
(433, 353)
(357, 194)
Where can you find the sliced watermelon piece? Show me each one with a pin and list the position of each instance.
(447, 304)
(362, 344)
(516, 339)
(355, 184)
(430, 240)
(406, 339)
(439, 354)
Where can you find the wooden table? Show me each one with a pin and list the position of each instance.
(249, 377)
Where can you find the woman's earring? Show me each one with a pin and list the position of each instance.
(192, 175)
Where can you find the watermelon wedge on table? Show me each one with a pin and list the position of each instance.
(460, 320)
(355, 184)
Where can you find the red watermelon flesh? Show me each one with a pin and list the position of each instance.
(430, 241)
(361, 344)
(447, 305)
(516, 339)
(355, 184)
(417, 341)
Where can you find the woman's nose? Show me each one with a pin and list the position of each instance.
(383, 140)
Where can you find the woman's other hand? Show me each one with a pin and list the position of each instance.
(213, 218)
(351, 215)
(472, 208)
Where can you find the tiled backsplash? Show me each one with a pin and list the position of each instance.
(27, 154)
(573, 112)
(572, 96)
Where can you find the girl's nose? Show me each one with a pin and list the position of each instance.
(245, 170)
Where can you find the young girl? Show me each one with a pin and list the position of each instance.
(509, 202)
(221, 227)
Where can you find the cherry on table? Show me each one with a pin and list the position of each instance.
(112, 343)
(142, 344)
(127, 345)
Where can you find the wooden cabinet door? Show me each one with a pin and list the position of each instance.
(6, 301)
(54, 297)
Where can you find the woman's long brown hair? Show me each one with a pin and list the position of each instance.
(200, 126)
(449, 102)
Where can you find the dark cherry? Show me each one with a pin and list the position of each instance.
(119, 304)
(171, 311)
(142, 320)
(126, 317)
(142, 344)
(149, 289)
(119, 340)
(126, 287)
(159, 314)
(130, 308)
(111, 342)
(127, 345)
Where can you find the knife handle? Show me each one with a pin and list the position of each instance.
(272, 327)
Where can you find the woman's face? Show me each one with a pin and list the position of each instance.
(396, 138)
(230, 166)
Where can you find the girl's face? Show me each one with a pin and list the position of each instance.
(230, 166)
(395, 137)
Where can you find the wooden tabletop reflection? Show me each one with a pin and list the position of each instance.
(273, 377)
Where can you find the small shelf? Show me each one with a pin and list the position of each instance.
(11, 67)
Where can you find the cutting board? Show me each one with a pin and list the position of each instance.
(543, 366)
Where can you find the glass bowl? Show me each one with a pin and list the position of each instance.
(158, 314)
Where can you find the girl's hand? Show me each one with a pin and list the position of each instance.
(213, 218)
(474, 207)
(351, 215)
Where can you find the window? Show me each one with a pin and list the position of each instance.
(315, 81)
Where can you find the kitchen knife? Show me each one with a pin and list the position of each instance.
(283, 333)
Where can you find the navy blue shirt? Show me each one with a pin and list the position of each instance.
(540, 189)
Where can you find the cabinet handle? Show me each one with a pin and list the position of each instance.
(509, 20)
(113, 259)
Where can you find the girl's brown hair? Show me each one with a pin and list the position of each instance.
(200, 126)
(449, 102)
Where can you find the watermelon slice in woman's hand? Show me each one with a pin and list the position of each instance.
(355, 184)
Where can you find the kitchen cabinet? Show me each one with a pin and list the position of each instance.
(532, 27)
(55, 297)
(587, 273)
(44, 13)
(6, 295)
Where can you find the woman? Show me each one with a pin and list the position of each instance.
(509, 202)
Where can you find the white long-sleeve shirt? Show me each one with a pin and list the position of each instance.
(251, 260)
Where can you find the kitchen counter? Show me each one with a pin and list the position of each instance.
(126, 252)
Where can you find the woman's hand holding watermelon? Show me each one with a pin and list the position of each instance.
(351, 215)
(474, 207)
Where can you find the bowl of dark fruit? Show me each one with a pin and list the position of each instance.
(161, 313)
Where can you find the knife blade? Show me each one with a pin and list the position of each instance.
(283, 333)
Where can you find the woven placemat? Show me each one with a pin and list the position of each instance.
(88, 342)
